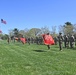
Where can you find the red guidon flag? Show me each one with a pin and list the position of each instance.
(23, 40)
(48, 39)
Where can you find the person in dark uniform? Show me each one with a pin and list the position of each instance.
(8, 39)
(48, 46)
(66, 41)
(72, 40)
(60, 38)
(28, 40)
(37, 40)
(56, 40)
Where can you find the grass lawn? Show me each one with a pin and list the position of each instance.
(19, 59)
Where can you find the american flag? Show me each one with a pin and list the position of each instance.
(3, 21)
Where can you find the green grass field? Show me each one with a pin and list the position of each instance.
(19, 59)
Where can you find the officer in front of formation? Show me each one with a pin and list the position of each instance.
(60, 39)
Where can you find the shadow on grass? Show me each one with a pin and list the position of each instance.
(73, 48)
(39, 51)
(70, 48)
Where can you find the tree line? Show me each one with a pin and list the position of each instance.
(67, 28)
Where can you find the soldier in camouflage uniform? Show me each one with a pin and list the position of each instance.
(56, 40)
(60, 38)
(72, 40)
(66, 41)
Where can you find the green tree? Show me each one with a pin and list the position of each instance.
(22, 32)
(11, 33)
(34, 32)
(53, 31)
(5, 36)
(68, 28)
(44, 30)
(75, 28)
(16, 32)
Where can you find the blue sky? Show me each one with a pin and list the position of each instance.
(29, 14)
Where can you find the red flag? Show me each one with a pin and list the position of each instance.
(48, 39)
(23, 40)
(3, 21)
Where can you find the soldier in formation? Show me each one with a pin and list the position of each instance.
(66, 41)
(60, 39)
(72, 41)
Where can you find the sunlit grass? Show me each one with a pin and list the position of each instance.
(19, 59)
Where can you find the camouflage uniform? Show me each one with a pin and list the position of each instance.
(60, 38)
(72, 40)
(66, 41)
(28, 40)
(56, 40)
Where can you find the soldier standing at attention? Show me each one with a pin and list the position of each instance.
(28, 40)
(72, 40)
(60, 38)
(66, 41)
(8, 39)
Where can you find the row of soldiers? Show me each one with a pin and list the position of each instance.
(69, 41)
(37, 40)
